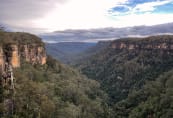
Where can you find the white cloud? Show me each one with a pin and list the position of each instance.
(143, 19)
(79, 14)
(86, 14)
(21, 14)
(51, 15)
(150, 6)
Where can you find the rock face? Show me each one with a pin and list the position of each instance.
(31, 53)
(21, 47)
(150, 43)
(1, 59)
(15, 58)
(34, 54)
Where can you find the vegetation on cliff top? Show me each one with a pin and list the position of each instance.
(19, 38)
(146, 39)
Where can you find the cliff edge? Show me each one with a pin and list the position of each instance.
(15, 47)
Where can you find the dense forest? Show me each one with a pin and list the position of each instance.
(51, 90)
(137, 75)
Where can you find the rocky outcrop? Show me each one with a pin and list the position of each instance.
(150, 43)
(131, 46)
(17, 47)
(15, 57)
(34, 54)
(2, 62)
(12, 54)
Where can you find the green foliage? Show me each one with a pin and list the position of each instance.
(158, 100)
(137, 81)
(19, 38)
(55, 91)
(120, 71)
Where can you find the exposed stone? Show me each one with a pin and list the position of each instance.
(131, 46)
(123, 45)
(142, 44)
(30, 53)
(25, 53)
(1, 59)
(113, 46)
(15, 59)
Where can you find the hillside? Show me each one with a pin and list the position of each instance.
(66, 52)
(101, 45)
(127, 67)
(31, 87)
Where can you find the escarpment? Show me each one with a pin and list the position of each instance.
(164, 43)
(16, 48)
(13, 54)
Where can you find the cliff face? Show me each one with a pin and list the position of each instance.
(33, 53)
(150, 43)
(131, 46)
(15, 57)
(14, 50)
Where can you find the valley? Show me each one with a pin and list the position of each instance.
(66, 52)
(123, 78)
(131, 71)
(86, 58)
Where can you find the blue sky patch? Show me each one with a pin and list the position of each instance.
(120, 9)
(167, 8)
(133, 3)
(125, 9)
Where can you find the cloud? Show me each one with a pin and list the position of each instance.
(51, 15)
(140, 6)
(95, 35)
(150, 6)
(142, 12)
(80, 14)
(56, 14)
(27, 9)
(22, 13)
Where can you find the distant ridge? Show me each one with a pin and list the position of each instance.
(67, 51)
(95, 35)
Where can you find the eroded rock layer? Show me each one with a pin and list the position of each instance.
(15, 47)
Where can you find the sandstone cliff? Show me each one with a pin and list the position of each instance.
(151, 43)
(17, 47)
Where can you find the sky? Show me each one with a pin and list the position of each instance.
(39, 16)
